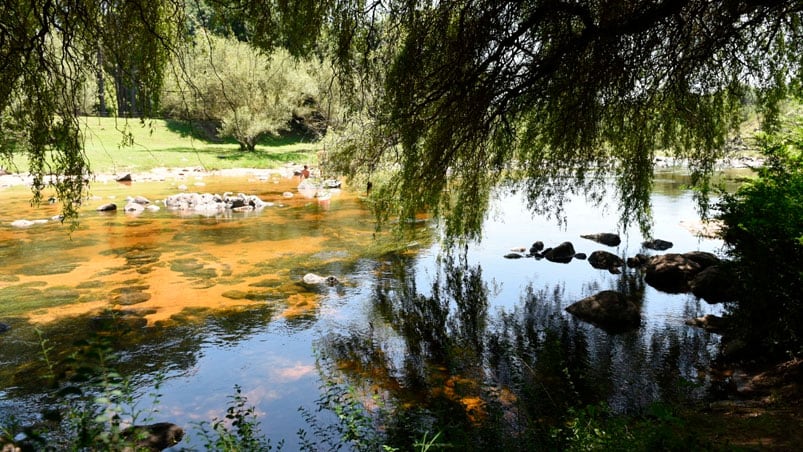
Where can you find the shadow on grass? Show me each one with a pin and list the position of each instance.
(206, 131)
(236, 155)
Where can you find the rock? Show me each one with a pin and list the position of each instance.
(671, 272)
(22, 223)
(709, 322)
(703, 258)
(4, 327)
(513, 256)
(610, 310)
(637, 261)
(124, 178)
(140, 200)
(562, 253)
(714, 284)
(154, 437)
(133, 207)
(580, 256)
(287, 194)
(605, 260)
(110, 207)
(605, 238)
(315, 280)
(657, 244)
(536, 247)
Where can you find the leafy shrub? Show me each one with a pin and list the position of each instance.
(763, 233)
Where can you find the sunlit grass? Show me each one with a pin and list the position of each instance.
(120, 145)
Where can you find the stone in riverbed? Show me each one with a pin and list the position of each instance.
(562, 253)
(605, 238)
(610, 310)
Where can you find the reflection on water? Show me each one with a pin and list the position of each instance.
(427, 337)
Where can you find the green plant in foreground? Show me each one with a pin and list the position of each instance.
(238, 430)
(763, 232)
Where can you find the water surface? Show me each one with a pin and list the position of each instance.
(203, 303)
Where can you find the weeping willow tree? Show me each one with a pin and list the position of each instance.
(552, 97)
(451, 98)
(47, 49)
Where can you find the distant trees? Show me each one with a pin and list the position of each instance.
(246, 91)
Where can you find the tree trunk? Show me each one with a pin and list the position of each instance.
(101, 88)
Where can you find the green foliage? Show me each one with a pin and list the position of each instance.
(238, 431)
(763, 230)
(595, 428)
(48, 50)
(249, 93)
(355, 425)
(553, 98)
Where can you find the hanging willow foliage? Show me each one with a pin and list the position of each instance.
(552, 97)
(47, 49)
(451, 98)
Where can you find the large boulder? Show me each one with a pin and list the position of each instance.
(671, 272)
(639, 260)
(605, 260)
(605, 238)
(562, 253)
(714, 284)
(610, 310)
(703, 258)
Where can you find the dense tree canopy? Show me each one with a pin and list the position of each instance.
(247, 92)
(452, 97)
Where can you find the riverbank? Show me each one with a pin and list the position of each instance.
(164, 173)
(759, 409)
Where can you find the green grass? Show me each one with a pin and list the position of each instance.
(121, 145)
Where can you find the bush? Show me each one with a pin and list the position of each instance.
(763, 233)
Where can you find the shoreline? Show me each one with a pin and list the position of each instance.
(164, 173)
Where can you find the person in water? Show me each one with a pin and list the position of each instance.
(305, 172)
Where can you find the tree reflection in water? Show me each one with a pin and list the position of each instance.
(447, 361)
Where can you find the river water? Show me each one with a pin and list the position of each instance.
(192, 306)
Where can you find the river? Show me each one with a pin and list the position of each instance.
(191, 307)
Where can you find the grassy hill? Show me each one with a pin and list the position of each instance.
(119, 145)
